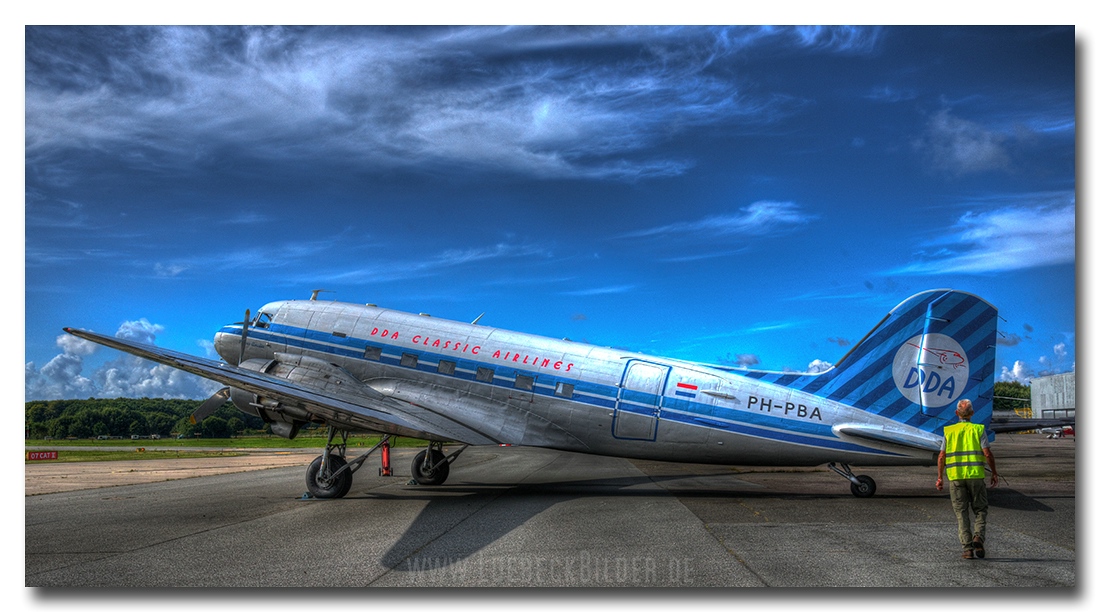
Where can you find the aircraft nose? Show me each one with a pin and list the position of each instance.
(228, 345)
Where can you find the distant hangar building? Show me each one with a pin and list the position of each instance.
(1054, 397)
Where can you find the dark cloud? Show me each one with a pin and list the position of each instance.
(958, 146)
(165, 99)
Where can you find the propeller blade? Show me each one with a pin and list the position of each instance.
(210, 405)
(244, 334)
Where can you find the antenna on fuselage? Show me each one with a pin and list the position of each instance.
(477, 319)
(313, 296)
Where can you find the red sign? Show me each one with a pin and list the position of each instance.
(41, 455)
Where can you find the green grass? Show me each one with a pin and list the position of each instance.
(81, 455)
(190, 448)
(245, 442)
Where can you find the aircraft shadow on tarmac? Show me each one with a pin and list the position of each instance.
(460, 520)
(452, 505)
(1006, 498)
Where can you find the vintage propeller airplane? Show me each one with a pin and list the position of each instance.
(361, 368)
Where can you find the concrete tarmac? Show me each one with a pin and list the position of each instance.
(531, 517)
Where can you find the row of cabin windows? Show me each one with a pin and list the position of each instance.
(524, 383)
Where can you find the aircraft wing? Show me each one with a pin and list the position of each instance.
(1011, 424)
(368, 409)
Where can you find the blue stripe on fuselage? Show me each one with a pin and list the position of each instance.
(593, 394)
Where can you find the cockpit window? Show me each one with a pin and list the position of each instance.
(263, 320)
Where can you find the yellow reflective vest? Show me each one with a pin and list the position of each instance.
(963, 445)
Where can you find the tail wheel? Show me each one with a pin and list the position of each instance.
(327, 486)
(865, 488)
(435, 472)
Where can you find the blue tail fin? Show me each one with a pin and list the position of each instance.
(932, 350)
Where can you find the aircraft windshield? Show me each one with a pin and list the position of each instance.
(263, 319)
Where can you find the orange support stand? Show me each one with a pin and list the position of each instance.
(385, 469)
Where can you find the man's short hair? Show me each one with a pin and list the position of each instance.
(966, 408)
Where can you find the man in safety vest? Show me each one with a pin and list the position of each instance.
(964, 453)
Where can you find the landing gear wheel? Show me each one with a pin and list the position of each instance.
(865, 488)
(436, 474)
(325, 486)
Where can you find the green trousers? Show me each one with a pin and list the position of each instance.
(968, 496)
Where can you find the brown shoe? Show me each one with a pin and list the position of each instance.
(968, 554)
(979, 547)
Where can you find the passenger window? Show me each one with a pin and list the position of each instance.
(485, 375)
(446, 367)
(408, 360)
(374, 353)
(525, 383)
(563, 390)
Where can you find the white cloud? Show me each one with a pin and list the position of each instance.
(740, 360)
(127, 376)
(757, 219)
(1019, 372)
(1010, 238)
(208, 348)
(139, 331)
(1022, 372)
(391, 270)
(609, 290)
(817, 366)
(71, 345)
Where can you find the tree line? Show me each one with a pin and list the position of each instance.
(126, 417)
(1011, 396)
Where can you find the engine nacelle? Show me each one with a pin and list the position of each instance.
(308, 372)
(283, 420)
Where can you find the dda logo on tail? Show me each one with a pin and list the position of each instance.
(931, 370)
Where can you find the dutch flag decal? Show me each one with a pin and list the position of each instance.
(686, 390)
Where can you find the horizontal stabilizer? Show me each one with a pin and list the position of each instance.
(891, 436)
(1010, 424)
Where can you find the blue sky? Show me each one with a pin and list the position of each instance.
(746, 196)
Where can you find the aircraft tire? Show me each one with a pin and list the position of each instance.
(865, 488)
(334, 489)
(437, 476)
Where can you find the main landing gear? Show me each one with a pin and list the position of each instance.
(329, 476)
(862, 485)
(431, 466)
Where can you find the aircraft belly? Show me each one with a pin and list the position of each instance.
(680, 442)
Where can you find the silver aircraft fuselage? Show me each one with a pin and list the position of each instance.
(520, 389)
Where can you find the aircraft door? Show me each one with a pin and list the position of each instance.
(638, 408)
